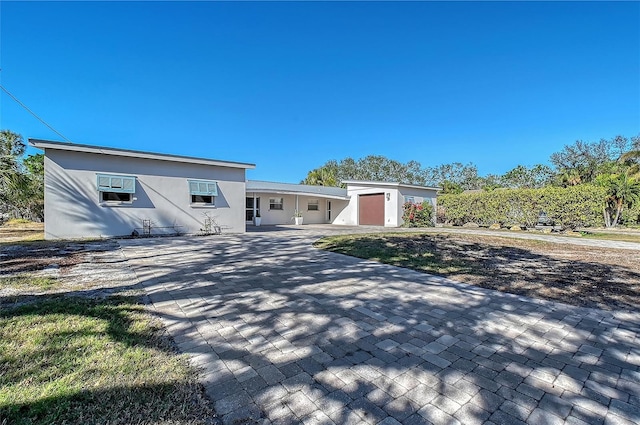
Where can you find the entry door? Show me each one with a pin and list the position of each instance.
(329, 211)
(249, 208)
(371, 209)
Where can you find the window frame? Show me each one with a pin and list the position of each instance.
(195, 201)
(116, 201)
(313, 203)
(273, 206)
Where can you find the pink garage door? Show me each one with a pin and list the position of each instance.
(371, 209)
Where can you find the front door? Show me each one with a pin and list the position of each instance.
(249, 208)
(328, 211)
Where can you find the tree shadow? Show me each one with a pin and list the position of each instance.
(47, 366)
(285, 331)
(115, 405)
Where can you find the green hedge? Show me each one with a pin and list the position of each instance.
(631, 216)
(570, 207)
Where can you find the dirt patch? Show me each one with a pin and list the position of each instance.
(578, 275)
(89, 269)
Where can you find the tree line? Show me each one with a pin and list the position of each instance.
(21, 180)
(612, 164)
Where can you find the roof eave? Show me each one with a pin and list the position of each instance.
(46, 144)
(290, 192)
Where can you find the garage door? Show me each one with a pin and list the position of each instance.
(371, 210)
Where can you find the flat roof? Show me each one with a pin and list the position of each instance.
(296, 189)
(65, 146)
(393, 184)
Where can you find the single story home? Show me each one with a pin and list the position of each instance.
(360, 203)
(94, 191)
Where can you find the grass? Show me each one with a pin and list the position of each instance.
(586, 276)
(81, 361)
(20, 230)
(17, 222)
(26, 281)
(623, 237)
(395, 249)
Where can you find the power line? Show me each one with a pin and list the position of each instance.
(33, 113)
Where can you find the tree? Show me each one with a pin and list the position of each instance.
(371, 167)
(584, 161)
(35, 164)
(21, 180)
(631, 158)
(449, 187)
(327, 175)
(12, 181)
(522, 177)
(622, 191)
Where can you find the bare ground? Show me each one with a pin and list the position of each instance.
(578, 275)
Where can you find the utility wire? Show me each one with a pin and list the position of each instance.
(33, 113)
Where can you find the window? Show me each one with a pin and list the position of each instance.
(201, 199)
(116, 189)
(115, 197)
(276, 203)
(313, 205)
(203, 191)
(409, 199)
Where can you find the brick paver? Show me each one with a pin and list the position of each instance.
(285, 333)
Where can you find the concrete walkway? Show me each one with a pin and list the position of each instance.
(289, 334)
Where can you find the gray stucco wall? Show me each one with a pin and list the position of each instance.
(73, 208)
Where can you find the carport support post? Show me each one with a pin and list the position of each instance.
(297, 210)
(254, 207)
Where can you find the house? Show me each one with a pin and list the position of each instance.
(93, 191)
(360, 203)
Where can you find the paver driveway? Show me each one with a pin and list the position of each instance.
(287, 334)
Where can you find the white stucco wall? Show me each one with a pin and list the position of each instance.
(429, 195)
(393, 206)
(285, 216)
(73, 208)
(350, 215)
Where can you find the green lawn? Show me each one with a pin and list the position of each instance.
(69, 360)
(398, 249)
(623, 237)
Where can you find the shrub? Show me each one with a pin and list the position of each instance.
(417, 215)
(571, 207)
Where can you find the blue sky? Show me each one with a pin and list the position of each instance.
(290, 85)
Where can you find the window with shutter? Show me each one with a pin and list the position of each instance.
(116, 184)
(203, 187)
(203, 192)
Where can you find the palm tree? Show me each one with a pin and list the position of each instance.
(323, 176)
(623, 190)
